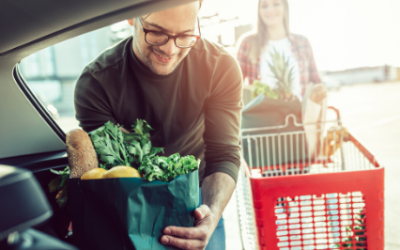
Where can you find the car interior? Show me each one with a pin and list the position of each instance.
(31, 141)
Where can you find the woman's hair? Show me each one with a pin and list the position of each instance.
(260, 39)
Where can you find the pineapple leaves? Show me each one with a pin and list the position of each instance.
(282, 72)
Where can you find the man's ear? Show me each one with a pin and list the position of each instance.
(131, 22)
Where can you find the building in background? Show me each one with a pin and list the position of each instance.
(365, 74)
(398, 74)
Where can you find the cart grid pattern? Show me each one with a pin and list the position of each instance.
(307, 220)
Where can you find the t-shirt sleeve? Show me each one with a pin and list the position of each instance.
(222, 118)
(242, 57)
(91, 102)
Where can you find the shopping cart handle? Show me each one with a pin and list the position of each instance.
(337, 114)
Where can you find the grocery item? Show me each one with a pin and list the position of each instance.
(120, 172)
(81, 153)
(95, 173)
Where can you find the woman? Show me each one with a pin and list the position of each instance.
(273, 35)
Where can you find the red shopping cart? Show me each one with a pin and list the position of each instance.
(292, 198)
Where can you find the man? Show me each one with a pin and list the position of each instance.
(189, 91)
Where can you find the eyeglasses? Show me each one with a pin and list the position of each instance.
(158, 38)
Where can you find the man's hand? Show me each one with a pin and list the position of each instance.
(216, 192)
(192, 238)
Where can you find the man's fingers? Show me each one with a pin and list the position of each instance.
(202, 212)
(185, 232)
(190, 237)
(184, 244)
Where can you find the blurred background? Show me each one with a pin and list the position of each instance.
(356, 45)
(354, 42)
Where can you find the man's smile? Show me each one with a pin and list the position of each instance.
(162, 58)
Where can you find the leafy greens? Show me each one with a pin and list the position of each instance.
(167, 168)
(60, 184)
(115, 148)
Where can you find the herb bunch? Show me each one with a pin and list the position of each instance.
(167, 168)
(114, 148)
(135, 149)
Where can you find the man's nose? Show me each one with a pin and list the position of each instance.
(169, 48)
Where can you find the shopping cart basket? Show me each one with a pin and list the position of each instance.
(332, 199)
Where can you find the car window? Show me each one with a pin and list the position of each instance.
(51, 73)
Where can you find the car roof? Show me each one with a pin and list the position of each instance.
(31, 21)
(29, 26)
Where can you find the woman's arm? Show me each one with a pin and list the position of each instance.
(314, 76)
(318, 93)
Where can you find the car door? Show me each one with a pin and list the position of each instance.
(30, 137)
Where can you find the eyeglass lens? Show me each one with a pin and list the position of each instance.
(160, 39)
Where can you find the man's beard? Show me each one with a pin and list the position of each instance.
(149, 62)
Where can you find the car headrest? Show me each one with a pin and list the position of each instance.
(22, 201)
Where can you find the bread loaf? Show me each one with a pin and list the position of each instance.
(81, 154)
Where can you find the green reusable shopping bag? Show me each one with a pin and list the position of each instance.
(274, 150)
(130, 213)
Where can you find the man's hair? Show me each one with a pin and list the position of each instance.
(200, 2)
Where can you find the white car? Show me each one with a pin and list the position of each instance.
(331, 83)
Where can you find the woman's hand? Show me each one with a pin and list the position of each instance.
(192, 238)
(318, 93)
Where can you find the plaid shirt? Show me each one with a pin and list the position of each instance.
(301, 49)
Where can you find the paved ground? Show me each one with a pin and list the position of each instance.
(372, 113)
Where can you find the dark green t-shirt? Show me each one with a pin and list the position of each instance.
(195, 110)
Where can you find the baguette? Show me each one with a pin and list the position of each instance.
(81, 154)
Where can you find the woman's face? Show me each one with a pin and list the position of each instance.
(272, 12)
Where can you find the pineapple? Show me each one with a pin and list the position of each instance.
(283, 74)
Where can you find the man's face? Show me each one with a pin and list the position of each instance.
(162, 60)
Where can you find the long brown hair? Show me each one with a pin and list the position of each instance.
(260, 38)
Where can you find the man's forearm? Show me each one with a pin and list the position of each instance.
(216, 192)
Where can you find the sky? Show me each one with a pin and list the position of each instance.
(343, 33)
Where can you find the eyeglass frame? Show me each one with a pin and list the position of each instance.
(170, 36)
